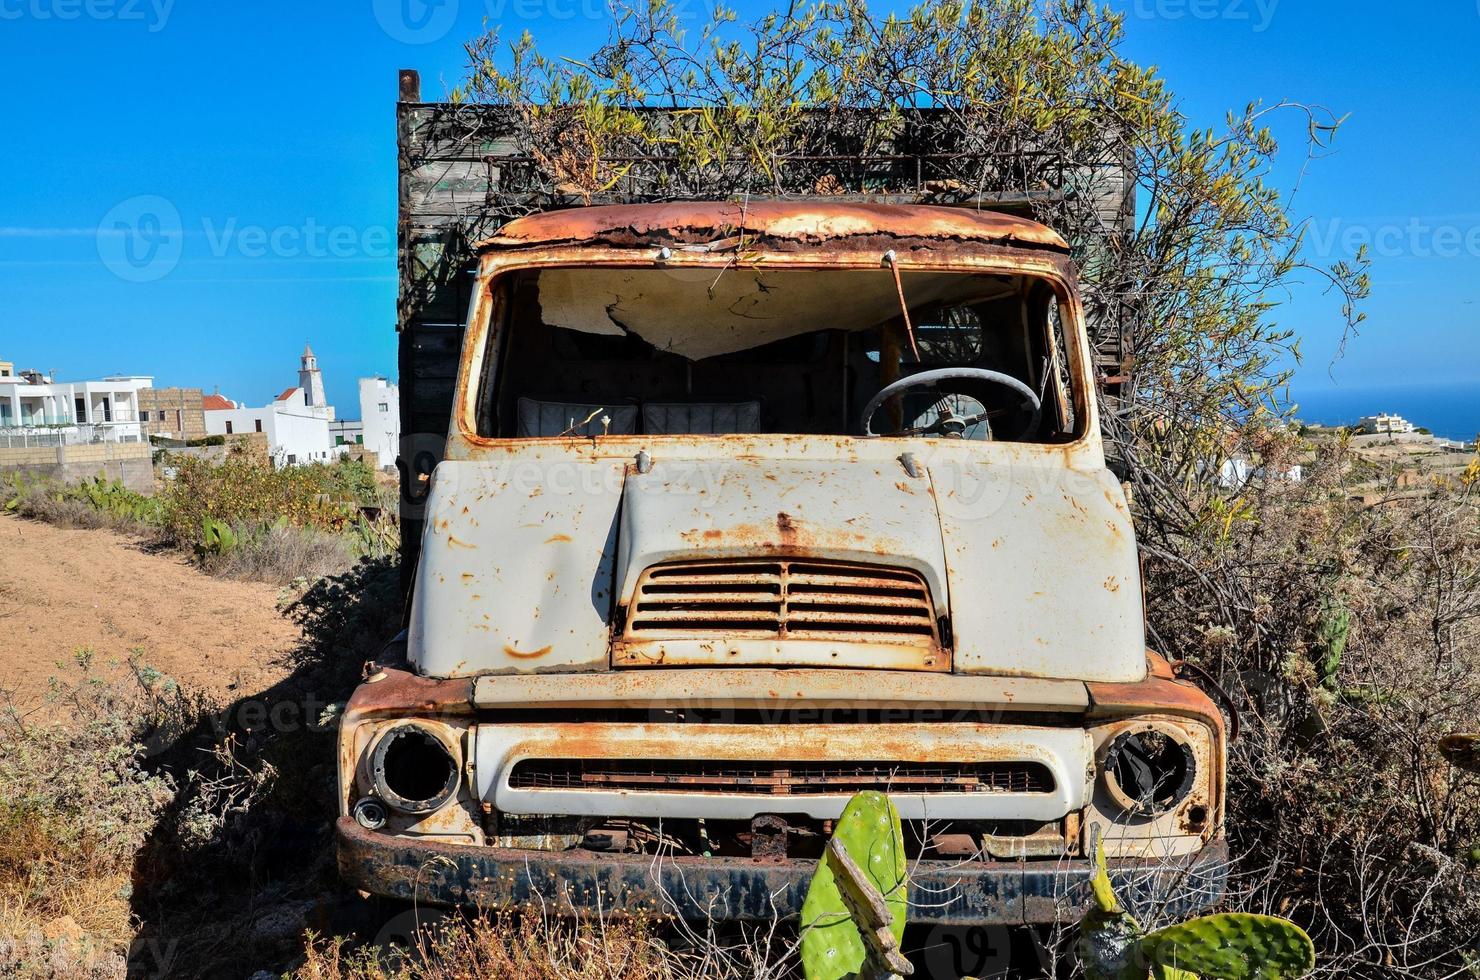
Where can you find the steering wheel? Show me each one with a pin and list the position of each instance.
(949, 425)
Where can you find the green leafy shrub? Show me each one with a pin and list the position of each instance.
(240, 517)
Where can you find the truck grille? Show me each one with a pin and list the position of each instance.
(782, 600)
(781, 778)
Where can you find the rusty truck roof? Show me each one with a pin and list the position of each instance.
(700, 222)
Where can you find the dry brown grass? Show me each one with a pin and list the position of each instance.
(529, 945)
(76, 804)
(282, 554)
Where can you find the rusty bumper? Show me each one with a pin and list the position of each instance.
(743, 889)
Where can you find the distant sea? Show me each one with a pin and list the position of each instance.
(1449, 410)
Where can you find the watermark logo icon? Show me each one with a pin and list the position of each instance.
(141, 239)
(416, 21)
(153, 14)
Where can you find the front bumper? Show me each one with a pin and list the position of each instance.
(745, 889)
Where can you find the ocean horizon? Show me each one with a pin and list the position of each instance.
(1450, 410)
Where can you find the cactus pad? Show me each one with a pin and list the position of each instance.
(1108, 935)
(870, 832)
(1234, 946)
(1159, 972)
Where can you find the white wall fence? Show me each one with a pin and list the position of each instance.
(26, 437)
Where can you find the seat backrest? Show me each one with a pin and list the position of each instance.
(701, 418)
(545, 419)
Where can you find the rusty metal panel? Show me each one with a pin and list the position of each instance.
(1065, 752)
(579, 882)
(1040, 572)
(802, 220)
(1045, 578)
(685, 510)
(516, 567)
(769, 688)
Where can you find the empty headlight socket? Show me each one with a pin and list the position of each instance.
(413, 770)
(1145, 779)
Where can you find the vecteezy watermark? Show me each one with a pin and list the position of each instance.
(153, 14)
(1259, 14)
(310, 240)
(416, 21)
(255, 718)
(1417, 238)
(982, 951)
(141, 239)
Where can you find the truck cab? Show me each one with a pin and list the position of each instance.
(748, 507)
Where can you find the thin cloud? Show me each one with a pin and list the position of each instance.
(57, 232)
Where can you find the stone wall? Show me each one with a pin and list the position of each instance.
(184, 413)
(131, 462)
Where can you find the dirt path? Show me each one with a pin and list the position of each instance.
(61, 590)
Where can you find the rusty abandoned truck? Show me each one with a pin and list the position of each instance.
(746, 507)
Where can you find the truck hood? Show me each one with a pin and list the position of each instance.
(523, 564)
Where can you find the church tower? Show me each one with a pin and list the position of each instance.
(311, 380)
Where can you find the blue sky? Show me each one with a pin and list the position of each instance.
(268, 128)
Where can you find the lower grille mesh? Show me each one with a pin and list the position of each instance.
(781, 778)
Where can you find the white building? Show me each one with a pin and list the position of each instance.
(296, 423)
(32, 405)
(1384, 424)
(311, 381)
(346, 432)
(380, 415)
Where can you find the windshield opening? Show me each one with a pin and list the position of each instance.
(594, 352)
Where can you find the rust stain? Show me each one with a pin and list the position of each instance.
(702, 222)
(468, 576)
(786, 526)
(557, 538)
(1112, 584)
(522, 655)
(453, 542)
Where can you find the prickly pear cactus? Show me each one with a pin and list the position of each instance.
(217, 537)
(1108, 935)
(869, 830)
(1229, 946)
(1234, 946)
(1335, 628)
(1159, 972)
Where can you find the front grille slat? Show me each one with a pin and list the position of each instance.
(781, 778)
(783, 600)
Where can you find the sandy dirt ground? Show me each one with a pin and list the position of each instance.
(61, 590)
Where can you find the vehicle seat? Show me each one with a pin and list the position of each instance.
(701, 418)
(545, 419)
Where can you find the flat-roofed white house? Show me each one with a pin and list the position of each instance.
(35, 407)
(1384, 424)
(380, 418)
(346, 432)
